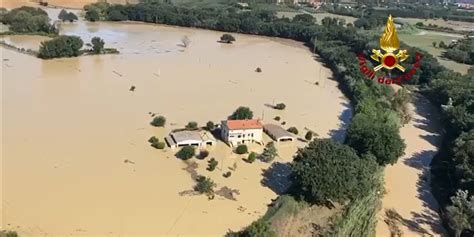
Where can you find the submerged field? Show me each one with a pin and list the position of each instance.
(70, 125)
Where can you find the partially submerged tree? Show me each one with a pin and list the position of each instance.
(185, 41)
(269, 152)
(210, 126)
(280, 106)
(293, 130)
(158, 121)
(97, 45)
(211, 164)
(192, 125)
(241, 149)
(186, 152)
(61, 46)
(204, 185)
(227, 38)
(242, 113)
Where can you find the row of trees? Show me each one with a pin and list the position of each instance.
(27, 20)
(462, 51)
(68, 46)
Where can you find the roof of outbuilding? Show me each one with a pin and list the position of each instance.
(277, 132)
(181, 136)
(244, 124)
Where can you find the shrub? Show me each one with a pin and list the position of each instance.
(97, 45)
(211, 164)
(269, 152)
(227, 38)
(283, 123)
(210, 126)
(258, 69)
(277, 118)
(308, 136)
(158, 121)
(259, 228)
(192, 125)
(293, 130)
(203, 154)
(186, 152)
(204, 185)
(242, 113)
(227, 174)
(251, 158)
(241, 149)
(280, 106)
(158, 145)
(92, 14)
(153, 140)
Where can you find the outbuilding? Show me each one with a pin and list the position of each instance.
(190, 138)
(278, 133)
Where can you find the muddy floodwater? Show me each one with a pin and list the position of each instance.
(76, 161)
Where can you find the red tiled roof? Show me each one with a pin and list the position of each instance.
(244, 124)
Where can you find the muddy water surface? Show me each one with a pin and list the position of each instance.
(70, 124)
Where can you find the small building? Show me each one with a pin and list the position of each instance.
(277, 133)
(236, 132)
(190, 138)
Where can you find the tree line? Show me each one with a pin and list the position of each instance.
(28, 20)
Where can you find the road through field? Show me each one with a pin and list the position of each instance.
(407, 182)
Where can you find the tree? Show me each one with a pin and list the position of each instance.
(293, 130)
(304, 19)
(461, 212)
(269, 152)
(434, 44)
(442, 45)
(210, 126)
(327, 170)
(242, 113)
(308, 136)
(211, 164)
(186, 152)
(92, 14)
(185, 41)
(259, 228)
(158, 121)
(61, 46)
(62, 14)
(192, 125)
(227, 38)
(280, 106)
(203, 154)
(251, 158)
(97, 45)
(369, 135)
(67, 16)
(204, 185)
(241, 149)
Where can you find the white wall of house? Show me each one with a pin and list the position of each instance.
(237, 137)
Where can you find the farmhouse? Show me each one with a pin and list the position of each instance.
(189, 138)
(236, 132)
(277, 133)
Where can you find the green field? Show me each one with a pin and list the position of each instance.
(424, 40)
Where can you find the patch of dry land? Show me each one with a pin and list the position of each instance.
(456, 25)
(407, 182)
(70, 125)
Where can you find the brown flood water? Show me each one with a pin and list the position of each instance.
(69, 124)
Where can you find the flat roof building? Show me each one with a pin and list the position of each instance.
(189, 138)
(278, 133)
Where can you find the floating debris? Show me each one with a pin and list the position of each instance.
(132, 88)
(120, 75)
(128, 161)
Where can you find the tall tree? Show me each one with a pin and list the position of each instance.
(461, 213)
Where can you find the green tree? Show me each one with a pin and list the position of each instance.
(62, 14)
(97, 45)
(211, 164)
(192, 125)
(210, 126)
(227, 38)
(61, 46)
(367, 135)
(241, 149)
(251, 158)
(461, 212)
(242, 113)
(186, 152)
(259, 228)
(280, 106)
(92, 15)
(308, 136)
(204, 185)
(293, 130)
(159, 121)
(269, 152)
(304, 19)
(327, 170)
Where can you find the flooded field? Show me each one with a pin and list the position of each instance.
(69, 125)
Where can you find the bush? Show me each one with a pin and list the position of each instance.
(61, 46)
(242, 113)
(92, 14)
(227, 174)
(97, 45)
(277, 118)
(153, 140)
(210, 126)
(203, 154)
(211, 164)
(186, 152)
(227, 38)
(4, 233)
(204, 185)
(192, 125)
(280, 106)
(158, 145)
(309, 136)
(259, 228)
(258, 69)
(328, 170)
(241, 149)
(251, 158)
(293, 130)
(158, 121)
(269, 152)
(67, 16)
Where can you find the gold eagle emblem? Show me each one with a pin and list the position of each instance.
(389, 43)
